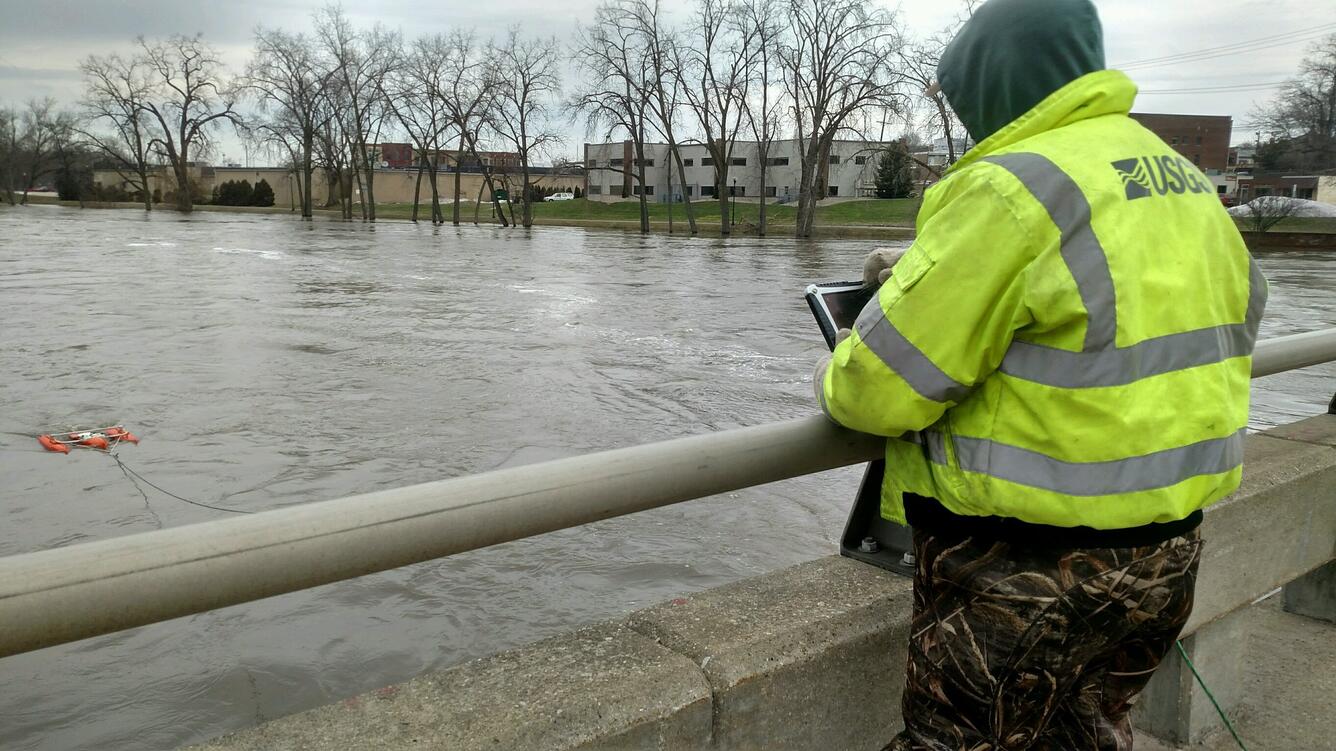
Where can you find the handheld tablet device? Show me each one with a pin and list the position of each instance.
(836, 305)
(867, 537)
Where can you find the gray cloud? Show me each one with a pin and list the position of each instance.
(41, 41)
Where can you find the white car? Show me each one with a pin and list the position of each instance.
(560, 197)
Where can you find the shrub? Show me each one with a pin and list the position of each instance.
(235, 193)
(263, 195)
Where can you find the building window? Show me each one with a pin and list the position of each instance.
(645, 163)
(779, 161)
(737, 190)
(1305, 193)
(691, 190)
(635, 190)
(860, 160)
(1263, 190)
(592, 163)
(1220, 189)
(1196, 158)
(595, 190)
(739, 161)
(770, 191)
(707, 161)
(834, 190)
(615, 162)
(834, 159)
(1174, 141)
(649, 190)
(706, 190)
(688, 162)
(1198, 140)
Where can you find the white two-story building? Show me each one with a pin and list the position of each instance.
(610, 172)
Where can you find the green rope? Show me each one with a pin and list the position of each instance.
(1209, 695)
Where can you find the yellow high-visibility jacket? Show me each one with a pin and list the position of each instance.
(1069, 339)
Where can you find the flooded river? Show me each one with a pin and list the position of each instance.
(267, 363)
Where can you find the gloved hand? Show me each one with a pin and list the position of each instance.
(819, 377)
(877, 265)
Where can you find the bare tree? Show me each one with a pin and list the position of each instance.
(919, 68)
(837, 64)
(664, 96)
(469, 94)
(525, 88)
(187, 96)
(334, 157)
(763, 106)
(1300, 121)
(289, 82)
(415, 94)
(40, 136)
(715, 64)
(115, 92)
(1265, 212)
(9, 150)
(614, 98)
(359, 62)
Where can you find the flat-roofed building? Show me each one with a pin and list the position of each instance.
(610, 171)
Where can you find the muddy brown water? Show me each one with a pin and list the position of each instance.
(268, 363)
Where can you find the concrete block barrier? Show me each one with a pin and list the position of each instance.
(810, 657)
(602, 687)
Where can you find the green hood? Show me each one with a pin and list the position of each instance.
(1012, 54)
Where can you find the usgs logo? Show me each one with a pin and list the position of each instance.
(1158, 175)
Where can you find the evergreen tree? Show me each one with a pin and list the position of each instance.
(242, 196)
(895, 178)
(263, 195)
(70, 185)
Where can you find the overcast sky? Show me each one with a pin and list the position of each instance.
(41, 41)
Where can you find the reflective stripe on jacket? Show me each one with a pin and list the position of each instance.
(1069, 339)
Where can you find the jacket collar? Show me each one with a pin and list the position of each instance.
(1104, 92)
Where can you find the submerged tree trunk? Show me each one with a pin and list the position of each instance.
(760, 218)
(417, 190)
(184, 200)
(686, 199)
(437, 216)
(148, 194)
(458, 158)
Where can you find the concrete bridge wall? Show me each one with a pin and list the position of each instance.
(809, 657)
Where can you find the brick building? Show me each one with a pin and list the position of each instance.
(405, 156)
(1201, 139)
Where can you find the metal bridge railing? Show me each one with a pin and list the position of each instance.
(61, 595)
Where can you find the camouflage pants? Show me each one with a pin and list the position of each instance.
(1023, 648)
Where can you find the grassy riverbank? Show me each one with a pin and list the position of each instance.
(862, 218)
(870, 213)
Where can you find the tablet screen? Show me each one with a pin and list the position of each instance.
(837, 305)
(845, 304)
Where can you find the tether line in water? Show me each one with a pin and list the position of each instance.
(130, 473)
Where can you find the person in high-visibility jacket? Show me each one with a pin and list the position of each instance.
(1060, 363)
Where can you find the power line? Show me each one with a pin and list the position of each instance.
(1285, 36)
(1205, 89)
(1251, 45)
(1215, 89)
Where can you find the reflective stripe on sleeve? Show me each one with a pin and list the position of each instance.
(900, 355)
